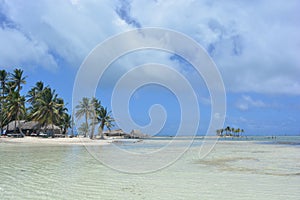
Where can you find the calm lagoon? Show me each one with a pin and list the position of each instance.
(256, 168)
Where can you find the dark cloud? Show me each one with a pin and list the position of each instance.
(123, 10)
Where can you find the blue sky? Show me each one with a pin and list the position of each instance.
(255, 45)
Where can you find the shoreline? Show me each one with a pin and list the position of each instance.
(55, 141)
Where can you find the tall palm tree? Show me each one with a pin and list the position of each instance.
(47, 109)
(232, 131)
(3, 87)
(15, 108)
(84, 109)
(64, 119)
(66, 123)
(227, 129)
(34, 92)
(238, 132)
(18, 79)
(105, 119)
(72, 125)
(83, 129)
(242, 131)
(95, 108)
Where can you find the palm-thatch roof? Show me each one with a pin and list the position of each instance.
(50, 127)
(136, 133)
(14, 124)
(31, 125)
(118, 132)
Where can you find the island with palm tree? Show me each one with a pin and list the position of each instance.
(42, 112)
(41, 107)
(229, 132)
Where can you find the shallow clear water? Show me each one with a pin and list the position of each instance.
(254, 169)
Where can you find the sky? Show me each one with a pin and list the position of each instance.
(254, 44)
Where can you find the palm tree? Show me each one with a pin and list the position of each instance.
(35, 91)
(64, 120)
(15, 108)
(242, 131)
(232, 131)
(83, 129)
(95, 107)
(18, 79)
(16, 102)
(47, 109)
(220, 132)
(72, 125)
(66, 123)
(84, 108)
(227, 129)
(105, 119)
(238, 132)
(3, 82)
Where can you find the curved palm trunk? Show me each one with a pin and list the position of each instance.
(15, 128)
(101, 129)
(93, 126)
(1, 108)
(72, 128)
(45, 129)
(86, 122)
(19, 126)
(52, 130)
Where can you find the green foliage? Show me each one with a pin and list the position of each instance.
(229, 132)
(44, 104)
(92, 111)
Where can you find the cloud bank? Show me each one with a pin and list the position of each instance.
(255, 44)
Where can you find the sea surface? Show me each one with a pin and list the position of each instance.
(244, 168)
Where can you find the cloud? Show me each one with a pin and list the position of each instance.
(246, 102)
(123, 10)
(53, 35)
(254, 44)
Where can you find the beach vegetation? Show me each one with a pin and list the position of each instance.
(41, 104)
(93, 114)
(229, 132)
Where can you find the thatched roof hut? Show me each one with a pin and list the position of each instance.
(50, 128)
(136, 133)
(114, 133)
(30, 127)
(14, 124)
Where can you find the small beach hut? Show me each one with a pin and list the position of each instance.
(52, 130)
(115, 133)
(136, 133)
(31, 127)
(11, 126)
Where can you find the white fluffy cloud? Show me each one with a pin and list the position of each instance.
(255, 44)
(46, 33)
(247, 102)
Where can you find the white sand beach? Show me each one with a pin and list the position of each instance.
(55, 141)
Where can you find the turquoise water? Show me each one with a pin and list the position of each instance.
(257, 168)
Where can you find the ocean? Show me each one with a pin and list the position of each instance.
(243, 168)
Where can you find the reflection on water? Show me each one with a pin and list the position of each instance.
(256, 169)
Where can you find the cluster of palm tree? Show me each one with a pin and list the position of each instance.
(92, 113)
(228, 131)
(43, 104)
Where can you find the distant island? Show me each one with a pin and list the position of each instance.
(229, 132)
